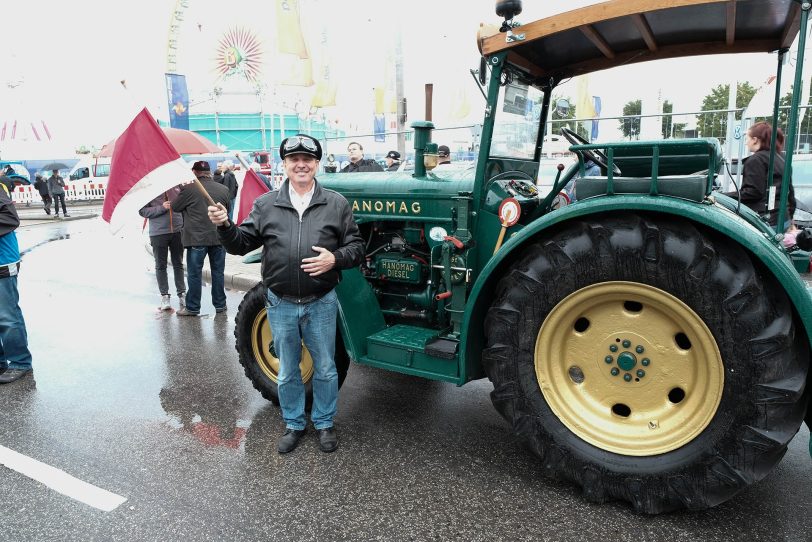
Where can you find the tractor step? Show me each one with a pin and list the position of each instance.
(413, 350)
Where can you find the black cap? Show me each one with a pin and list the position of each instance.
(300, 144)
(393, 154)
(201, 165)
(443, 150)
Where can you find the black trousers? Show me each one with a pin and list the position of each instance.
(57, 199)
(160, 245)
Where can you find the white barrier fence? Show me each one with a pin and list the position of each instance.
(83, 191)
(74, 191)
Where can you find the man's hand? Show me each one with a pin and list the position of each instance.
(320, 264)
(167, 205)
(218, 215)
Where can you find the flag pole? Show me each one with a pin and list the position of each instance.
(205, 193)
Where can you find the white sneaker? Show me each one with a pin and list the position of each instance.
(165, 306)
(181, 301)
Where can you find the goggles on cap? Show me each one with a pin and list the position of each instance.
(294, 142)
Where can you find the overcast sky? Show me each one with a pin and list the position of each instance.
(62, 62)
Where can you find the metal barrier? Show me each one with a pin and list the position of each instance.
(74, 191)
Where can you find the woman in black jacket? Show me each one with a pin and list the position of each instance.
(754, 191)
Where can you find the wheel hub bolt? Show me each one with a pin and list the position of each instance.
(608, 359)
(626, 343)
(645, 362)
(640, 373)
(613, 348)
(627, 377)
(639, 349)
(615, 371)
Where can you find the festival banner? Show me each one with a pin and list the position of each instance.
(178, 98)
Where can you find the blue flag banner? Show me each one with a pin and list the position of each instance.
(380, 128)
(178, 98)
(596, 104)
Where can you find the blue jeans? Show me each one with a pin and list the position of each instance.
(315, 324)
(194, 274)
(14, 353)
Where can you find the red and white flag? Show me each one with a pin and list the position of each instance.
(252, 188)
(144, 164)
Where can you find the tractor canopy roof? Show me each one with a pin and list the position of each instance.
(620, 32)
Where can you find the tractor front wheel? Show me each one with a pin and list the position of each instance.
(258, 356)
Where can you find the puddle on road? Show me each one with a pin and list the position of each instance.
(57, 237)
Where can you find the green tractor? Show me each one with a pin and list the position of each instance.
(649, 342)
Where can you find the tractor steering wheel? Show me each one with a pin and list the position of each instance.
(599, 157)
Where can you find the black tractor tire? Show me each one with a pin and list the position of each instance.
(254, 346)
(762, 356)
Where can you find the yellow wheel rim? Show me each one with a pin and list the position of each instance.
(629, 368)
(264, 353)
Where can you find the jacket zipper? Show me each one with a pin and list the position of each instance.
(299, 258)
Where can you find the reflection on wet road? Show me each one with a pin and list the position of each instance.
(155, 408)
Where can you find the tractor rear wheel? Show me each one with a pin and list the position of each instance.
(256, 349)
(647, 359)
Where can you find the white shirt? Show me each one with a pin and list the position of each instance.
(300, 203)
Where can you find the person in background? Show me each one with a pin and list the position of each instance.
(218, 173)
(754, 191)
(56, 187)
(357, 161)
(230, 182)
(392, 161)
(264, 178)
(200, 239)
(42, 187)
(443, 155)
(300, 271)
(164, 236)
(15, 358)
(5, 181)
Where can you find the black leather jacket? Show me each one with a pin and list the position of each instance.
(285, 240)
(362, 165)
(754, 191)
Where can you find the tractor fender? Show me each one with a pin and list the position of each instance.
(706, 213)
(359, 314)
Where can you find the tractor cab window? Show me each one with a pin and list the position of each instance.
(516, 125)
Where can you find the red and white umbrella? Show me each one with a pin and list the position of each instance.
(184, 141)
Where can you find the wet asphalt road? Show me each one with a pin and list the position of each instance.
(155, 408)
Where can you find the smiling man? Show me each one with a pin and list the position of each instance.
(307, 234)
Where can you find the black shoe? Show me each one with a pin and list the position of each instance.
(220, 310)
(10, 375)
(289, 440)
(328, 440)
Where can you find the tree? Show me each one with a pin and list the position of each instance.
(715, 124)
(559, 118)
(630, 124)
(671, 128)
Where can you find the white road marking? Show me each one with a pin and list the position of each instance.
(60, 481)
